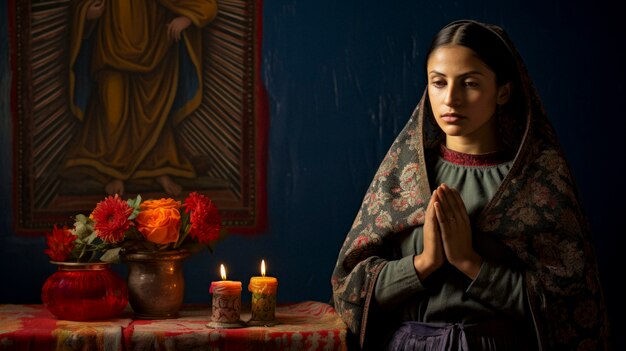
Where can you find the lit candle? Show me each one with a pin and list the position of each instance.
(263, 291)
(226, 302)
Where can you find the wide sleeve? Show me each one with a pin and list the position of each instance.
(395, 201)
(500, 287)
(397, 282)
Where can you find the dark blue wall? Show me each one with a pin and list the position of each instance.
(342, 78)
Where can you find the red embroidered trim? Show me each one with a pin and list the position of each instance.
(488, 159)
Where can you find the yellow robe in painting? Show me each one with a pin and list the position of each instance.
(134, 75)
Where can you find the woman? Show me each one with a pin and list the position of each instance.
(135, 74)
(470, 236)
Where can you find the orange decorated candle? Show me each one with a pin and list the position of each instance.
(263, 291)
(226, 302)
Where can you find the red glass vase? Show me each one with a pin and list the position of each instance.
(84, 291)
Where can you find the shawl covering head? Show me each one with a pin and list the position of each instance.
(535, 212)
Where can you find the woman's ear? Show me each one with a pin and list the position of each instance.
(504, 93)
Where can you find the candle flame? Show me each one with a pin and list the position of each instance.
(263, 268)
(223, 272)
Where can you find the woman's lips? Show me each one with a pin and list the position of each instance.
(452, 117)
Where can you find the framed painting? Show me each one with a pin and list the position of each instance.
(158, 99)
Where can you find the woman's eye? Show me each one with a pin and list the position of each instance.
(471, 84)
(438, 83)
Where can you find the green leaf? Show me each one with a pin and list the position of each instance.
(82, 228)
(91, 238)
(82, 218)
(111, 255)
(134, 204)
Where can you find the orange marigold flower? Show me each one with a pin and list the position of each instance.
(159, 220)
(111, 218)
(60, 244)
(204, 218)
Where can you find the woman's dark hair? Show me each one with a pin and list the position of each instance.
(490, 43)
(485, 42)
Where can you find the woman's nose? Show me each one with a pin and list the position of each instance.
(453, 96)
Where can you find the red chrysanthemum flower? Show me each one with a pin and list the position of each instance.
(60, 244)
(111, 219)
(204, 218)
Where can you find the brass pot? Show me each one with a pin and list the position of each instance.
(156, 283)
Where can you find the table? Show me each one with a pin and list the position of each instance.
(307, 325)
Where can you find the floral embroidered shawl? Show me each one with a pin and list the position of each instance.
(535, 212)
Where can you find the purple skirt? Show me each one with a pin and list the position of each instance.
(417, 336)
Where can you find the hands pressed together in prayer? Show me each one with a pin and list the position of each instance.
(447, 236)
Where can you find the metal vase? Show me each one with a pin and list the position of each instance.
(156, 283)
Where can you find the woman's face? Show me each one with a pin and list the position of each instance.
(463, 95)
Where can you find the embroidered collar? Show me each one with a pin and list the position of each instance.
(488, 159)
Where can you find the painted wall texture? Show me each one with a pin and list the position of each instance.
(342, 79)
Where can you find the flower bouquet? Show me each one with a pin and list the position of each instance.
(153, 237)
(136, 225)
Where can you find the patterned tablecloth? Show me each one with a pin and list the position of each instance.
(301, 326)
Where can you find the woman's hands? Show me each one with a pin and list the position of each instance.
(456, 232)
(95, 10)
(433, 256)
(447, 235)
(177, 26)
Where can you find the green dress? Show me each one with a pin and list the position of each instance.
(448, 295)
